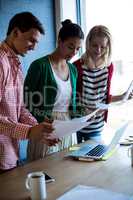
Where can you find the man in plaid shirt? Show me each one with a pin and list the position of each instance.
(16, 123)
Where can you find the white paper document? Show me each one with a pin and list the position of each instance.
(129, 90)
(63, 128)
(103, 106)
(86, 117)
(81, 192)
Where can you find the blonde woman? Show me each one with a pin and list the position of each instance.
(94, 79)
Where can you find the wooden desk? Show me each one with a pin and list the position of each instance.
(115, 174)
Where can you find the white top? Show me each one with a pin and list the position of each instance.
(64, 93)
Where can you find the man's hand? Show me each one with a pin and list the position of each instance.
(43, 133)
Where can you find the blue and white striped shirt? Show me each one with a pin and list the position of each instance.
(94, 91)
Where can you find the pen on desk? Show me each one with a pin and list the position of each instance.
(126, 143)
(86, 159)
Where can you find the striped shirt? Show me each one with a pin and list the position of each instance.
(94, 91)
(13, 115)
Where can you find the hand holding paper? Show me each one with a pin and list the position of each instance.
(129, 91)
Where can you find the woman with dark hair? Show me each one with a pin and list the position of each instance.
(50, 86)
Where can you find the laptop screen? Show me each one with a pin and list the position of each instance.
(118, 134)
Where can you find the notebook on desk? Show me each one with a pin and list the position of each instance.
(90, 152)
(80, 192)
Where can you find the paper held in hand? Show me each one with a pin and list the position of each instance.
(103, 106)
(63, 128)
(129, 90)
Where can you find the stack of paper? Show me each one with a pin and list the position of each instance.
(81, 192)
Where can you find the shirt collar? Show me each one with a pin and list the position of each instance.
(10, 52)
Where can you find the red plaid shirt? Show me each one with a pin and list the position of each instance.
(15, 119)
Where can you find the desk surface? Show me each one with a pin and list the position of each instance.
(115, 174)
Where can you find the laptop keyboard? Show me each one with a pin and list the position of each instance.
(97, 151)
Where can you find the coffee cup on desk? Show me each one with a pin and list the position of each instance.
(35, 183)
(130, 154)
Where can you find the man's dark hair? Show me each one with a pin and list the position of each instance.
(24, 21)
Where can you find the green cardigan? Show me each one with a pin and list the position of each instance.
(40, 89)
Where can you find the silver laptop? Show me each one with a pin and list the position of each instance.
(89, 152)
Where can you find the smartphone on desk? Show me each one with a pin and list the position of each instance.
(48, 178)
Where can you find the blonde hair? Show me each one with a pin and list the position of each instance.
(99, 31)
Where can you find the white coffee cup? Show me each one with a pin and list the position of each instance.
(130, 154)
(35, 183)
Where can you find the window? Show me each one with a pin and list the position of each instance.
(67, 10)
(116, 15)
